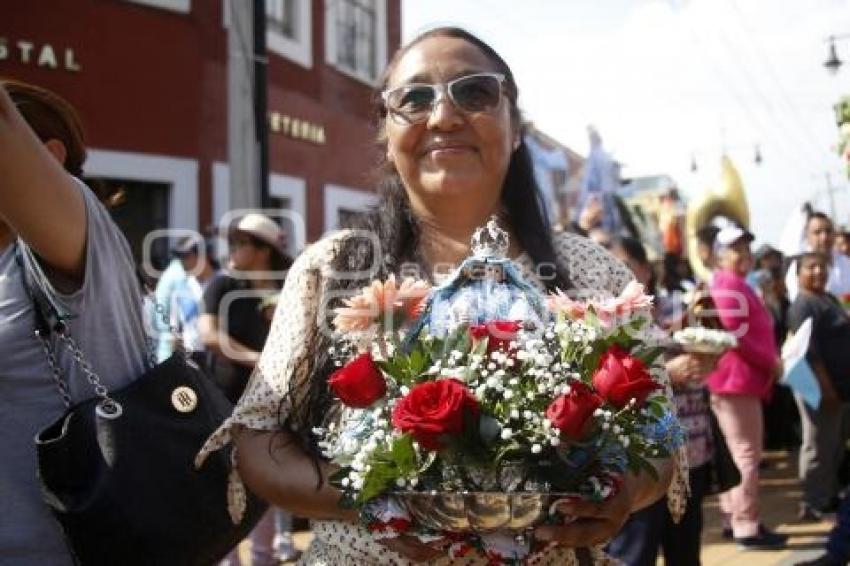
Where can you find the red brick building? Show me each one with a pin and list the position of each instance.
(149, 78)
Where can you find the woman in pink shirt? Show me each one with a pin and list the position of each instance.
(743, 378)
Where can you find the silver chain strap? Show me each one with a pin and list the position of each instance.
(108, 407)
(54, 368)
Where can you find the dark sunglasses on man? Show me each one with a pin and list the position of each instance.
(414, 102)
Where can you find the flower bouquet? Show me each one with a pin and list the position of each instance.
(699, 340)
(467, 410)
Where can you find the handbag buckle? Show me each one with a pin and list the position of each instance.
(109, 409)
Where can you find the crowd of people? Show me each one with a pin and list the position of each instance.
(455, 155)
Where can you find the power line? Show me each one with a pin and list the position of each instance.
(767, 104)
(741, 101)
(750, 34)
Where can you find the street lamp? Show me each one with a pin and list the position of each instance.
(757, 156)
(833, 62)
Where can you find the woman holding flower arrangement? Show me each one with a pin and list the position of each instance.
(455, 156)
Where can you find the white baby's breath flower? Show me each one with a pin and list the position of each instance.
(554, 441)
(536, 449)
(515, 413)
(507, 433)
(508, 394)
(404, 389)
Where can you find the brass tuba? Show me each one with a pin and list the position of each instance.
(727, 199)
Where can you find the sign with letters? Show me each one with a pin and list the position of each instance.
(296, 128)
(42, 55)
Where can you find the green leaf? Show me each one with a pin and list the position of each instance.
(649, 355)
(417, 362)
(404, 455)
(381, 476)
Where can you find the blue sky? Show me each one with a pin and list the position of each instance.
(662, 79)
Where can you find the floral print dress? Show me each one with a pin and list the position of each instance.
(303, 304)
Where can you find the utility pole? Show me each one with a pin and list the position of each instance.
(247, 124)
(242, 148)
(261, 123)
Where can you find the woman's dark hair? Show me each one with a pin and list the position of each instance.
(278, 260)
(635, 249)
(396, 231)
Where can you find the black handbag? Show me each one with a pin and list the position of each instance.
(118, 469)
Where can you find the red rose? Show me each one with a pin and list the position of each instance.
(359, 383)
(571, 413)
(622, 377)
(434, 409)
(500, 334)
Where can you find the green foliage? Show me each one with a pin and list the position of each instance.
(387, 465)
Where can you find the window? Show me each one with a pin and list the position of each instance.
(181, 6)
(288, 30)
(281, 17)
(343, 204)
(356, 32)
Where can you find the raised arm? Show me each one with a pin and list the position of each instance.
(39, 201)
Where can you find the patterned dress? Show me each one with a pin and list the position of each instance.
(303, 304)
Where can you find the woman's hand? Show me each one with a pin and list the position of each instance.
(412, 548)
(588, 523)
(686, 368)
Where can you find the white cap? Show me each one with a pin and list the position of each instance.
(263, 228)
(730, 234)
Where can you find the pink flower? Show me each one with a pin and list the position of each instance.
(381, 300)
(631, 300)
(560, 303)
